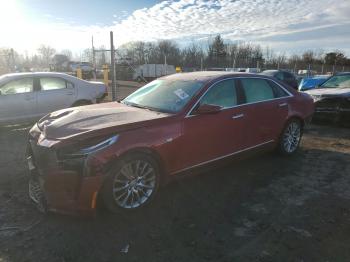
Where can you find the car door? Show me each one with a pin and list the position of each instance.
(18, 100)
(55, 93)
(211, 136)
(267, 108)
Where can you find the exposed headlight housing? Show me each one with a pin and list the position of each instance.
(101, 145)
(82, 160)
(84, 151)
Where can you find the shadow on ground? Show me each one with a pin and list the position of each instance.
(267, 208)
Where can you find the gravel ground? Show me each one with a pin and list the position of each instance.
(266, 208)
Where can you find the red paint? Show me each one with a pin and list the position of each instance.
(178, 141)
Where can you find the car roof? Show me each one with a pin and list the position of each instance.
(206, 76)
(52, 74)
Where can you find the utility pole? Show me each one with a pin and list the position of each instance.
(114, 87)
(165, 65)
(93, 56)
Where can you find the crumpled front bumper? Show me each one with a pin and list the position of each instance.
(53, 188)
(332, 108)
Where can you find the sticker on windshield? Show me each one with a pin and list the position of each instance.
(181, 94)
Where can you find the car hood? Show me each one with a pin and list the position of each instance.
(95, 119)
(329, 91)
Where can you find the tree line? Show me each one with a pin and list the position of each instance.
(213, 55)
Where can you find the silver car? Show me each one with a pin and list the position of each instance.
(29, 96)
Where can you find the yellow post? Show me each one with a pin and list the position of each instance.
(178, 69)
(79, 73)
(105, 74)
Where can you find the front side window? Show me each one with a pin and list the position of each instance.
(221, 94)
(337, 81)
(164, 95)
(52, 83)
(24, 85)
(257, 90)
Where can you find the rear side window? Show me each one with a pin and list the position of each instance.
(52, 83)
(24, 85)
(278, 91)
(221, 94)
(257, 90)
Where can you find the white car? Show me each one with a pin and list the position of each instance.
(29, 96)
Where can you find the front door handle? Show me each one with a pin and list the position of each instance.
(70, 93)
(237, 116)
(282, 104)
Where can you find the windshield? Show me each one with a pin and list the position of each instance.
(164, 95)
(337, 81)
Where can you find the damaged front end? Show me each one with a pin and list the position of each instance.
(65, 178)
(332, 108)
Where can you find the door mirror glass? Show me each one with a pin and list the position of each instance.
(207, 109)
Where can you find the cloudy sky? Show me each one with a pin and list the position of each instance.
(285, 25)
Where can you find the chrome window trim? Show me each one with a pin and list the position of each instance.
(188, 115)
(221, 157)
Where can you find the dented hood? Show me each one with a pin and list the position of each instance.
(95, 120)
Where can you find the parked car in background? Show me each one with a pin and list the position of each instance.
(120, 153)
(87, 69)
(29, 96)
(152, 71)
(283, 76)
(308, 83)
(332, 99)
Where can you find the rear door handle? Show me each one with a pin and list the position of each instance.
(282, 104)
(237, 116)
(70, 93)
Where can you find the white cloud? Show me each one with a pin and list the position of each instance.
(283, 24)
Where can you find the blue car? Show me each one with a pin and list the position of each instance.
(308, 83)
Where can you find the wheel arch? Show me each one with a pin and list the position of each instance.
(297, 117)
(143, 150)
(113, 162)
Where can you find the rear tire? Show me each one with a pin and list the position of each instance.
(131, 184)
(290, 138)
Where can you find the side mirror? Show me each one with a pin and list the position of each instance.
(207, 109)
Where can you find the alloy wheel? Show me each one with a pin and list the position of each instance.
(134, 184)
(291, 137)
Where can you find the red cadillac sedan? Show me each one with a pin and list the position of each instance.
(121, 152)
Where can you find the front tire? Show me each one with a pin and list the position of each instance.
(290, 138)
(132, 183)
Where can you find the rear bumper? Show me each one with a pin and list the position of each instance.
(55, 189)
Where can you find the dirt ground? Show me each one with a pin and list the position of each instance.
(266, 208)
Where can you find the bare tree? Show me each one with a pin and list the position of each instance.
(67, 53)
(46, 52)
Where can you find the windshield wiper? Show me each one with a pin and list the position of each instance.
(142, 106)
